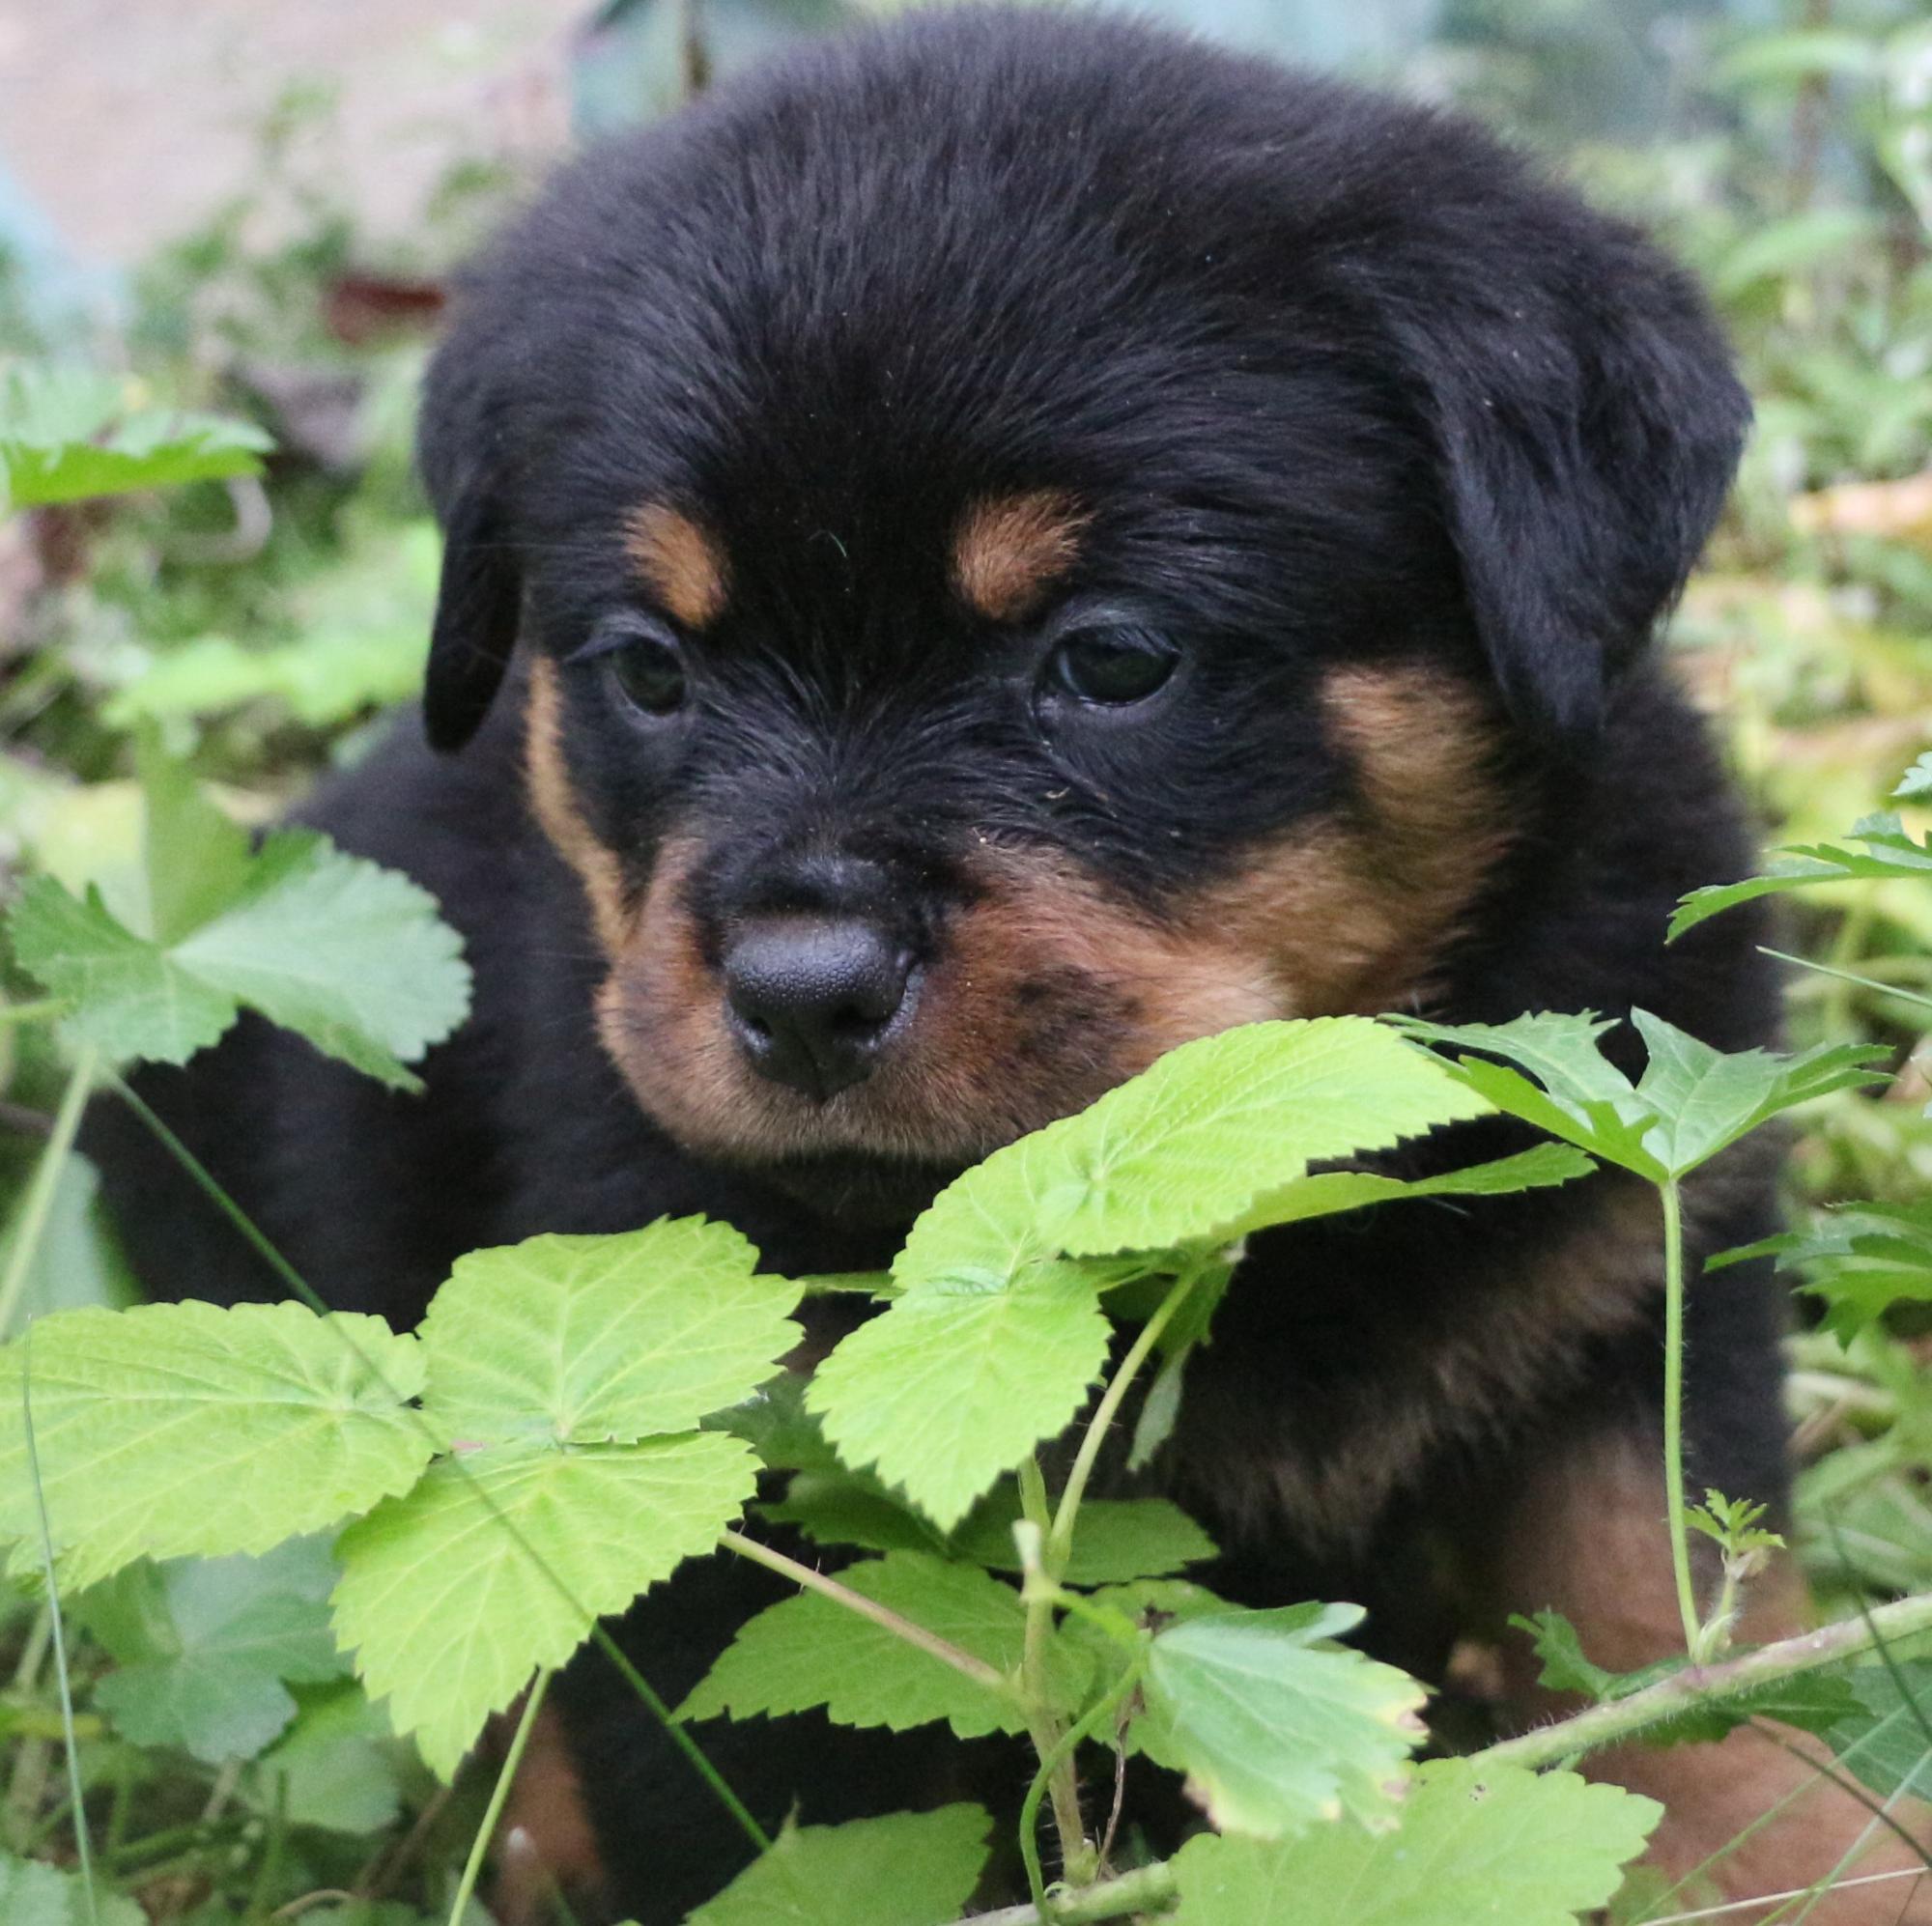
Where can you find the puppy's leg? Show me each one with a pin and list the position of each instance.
(1588, 1537)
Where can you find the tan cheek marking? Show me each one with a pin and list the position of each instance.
(553, 801)
(1008, 551)
(681, 562)
(1353, 913)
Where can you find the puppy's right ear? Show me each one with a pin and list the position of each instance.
(479, 599)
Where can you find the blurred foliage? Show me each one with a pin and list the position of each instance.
(263, 623)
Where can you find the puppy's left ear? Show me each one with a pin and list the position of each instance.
(479, 599)
(1587, 422)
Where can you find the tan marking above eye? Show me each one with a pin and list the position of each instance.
(682, 561)
(1009, 550)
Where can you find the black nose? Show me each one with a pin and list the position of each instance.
(813, 998)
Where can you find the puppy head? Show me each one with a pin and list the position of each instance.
(1035, 542)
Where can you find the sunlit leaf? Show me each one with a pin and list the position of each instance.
(500, 1559)
(174, 1430)
(1471, 1845)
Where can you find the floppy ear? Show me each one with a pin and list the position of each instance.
(479, 598)
(1586, 423)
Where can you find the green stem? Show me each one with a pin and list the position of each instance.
(1601, 1725)
(1062, 1542)
(473, 1867)
(883, 1616)
(673, 1729)
(1062, 1754)
(1850, 976)
(1673, 1415)
(1149, 1889)
(45, 1010)
(39, 1199)
(75, 1794)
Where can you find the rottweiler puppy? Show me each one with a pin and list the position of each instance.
(1004, 543)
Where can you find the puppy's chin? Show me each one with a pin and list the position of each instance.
(852, 1189)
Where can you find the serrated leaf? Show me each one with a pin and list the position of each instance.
(1181, 1150)
(810, 1651)
(132, 999)
(349, 955)
(1888, 855)
(853, 1507)
(69, 434)
(1275, 1725)
(1916, 780)
(1691, 1101)
(33, 1894)
(608, 1339)
(1860, 1259)
(911, 1869)
(1705, 1101)
(180, 1429)
(1330, 1191)
(1471, 1845)
(233, 1629)
(500, 1559)
(953, 1384)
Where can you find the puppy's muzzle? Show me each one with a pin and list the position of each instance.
(814, 1000)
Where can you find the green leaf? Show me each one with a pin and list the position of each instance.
(32, 1894)
(67, 434)
(1115, 1540)
(1705, 1101)
(1888, 855)
(1859, 1259)
(132, 1000)
(912, 1869)
(1691, 1103)
(500, 1559)
(1886, 1737)
(853, 1507)
(1500, 1844)
(1916, 780)
(231, 1631)
(334, 1768)
(348, 954)
(954, 1383)
(1330, 1191)
(607, 1339)
(810, 1650)
(1275, 1725)
(178, 1430)
(1181, 1150)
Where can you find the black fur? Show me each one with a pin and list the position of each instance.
(1341, 382)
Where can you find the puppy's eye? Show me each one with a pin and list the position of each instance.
(650, 671)
(1111, 666)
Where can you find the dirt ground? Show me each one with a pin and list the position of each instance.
(126, 120)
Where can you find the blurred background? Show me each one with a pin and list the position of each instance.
(252, 209)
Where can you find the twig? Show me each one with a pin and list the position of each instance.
(1602, 1725)
(928, 1642)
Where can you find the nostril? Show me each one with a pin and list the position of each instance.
(812, 998)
